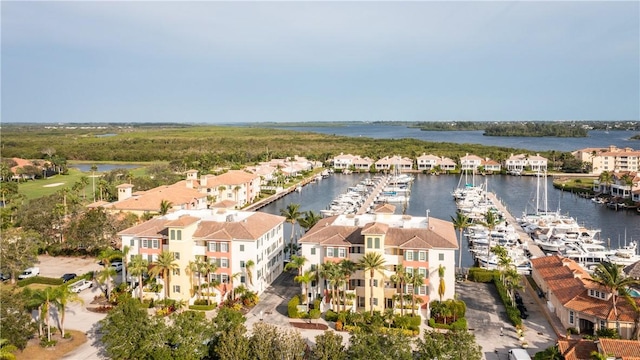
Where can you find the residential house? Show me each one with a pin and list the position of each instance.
(581, 349)
(427, 162)
(470, 162)
(351, 162)
(227, 238)
(610, 159)
(521, 161)
(491, 165)
(178, 195)
(446, 164)
(625, 185)
(577, 300)
(401, 164)
(420, 244)
(238, 185)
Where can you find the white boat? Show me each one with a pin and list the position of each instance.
(626, 255)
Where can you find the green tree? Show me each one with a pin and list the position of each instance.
(305, 279)
(391, 346)
(64, 296)
(296, 263)
(347, 268)
(16, 323)
(606, 178)
(18, 250)
(490, 221)
(330, 271)
(165, 207)
(309, 220)
(248, 266)
(291, 214)
(138, 267)
(417, 280)
(400, 279)
(129, 333)
(262, 342)
(371, 263)
(612, 277)
(455, 344)
(328, 347)
(43, 299)
(106, 256)
(550, 353)
(441, 284)
(189, 335)
(460, 223)
(7, 350)
(207, 268)
(163, 266)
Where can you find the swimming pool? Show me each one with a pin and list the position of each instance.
(634, 292)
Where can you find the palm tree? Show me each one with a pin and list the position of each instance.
(347, 268)
(165, 206)
(309, 220)
(606, 178)
(106, 256)
(138, 267)
(330, 271)
(636, 319)
(291, 214)
(512, 281)
(400, 279)
(304, 279)
(417, 280)
(163, 266)
(372, 262)
(297, 262)
(191, 270)
(125, 254)
(236, 189)
(64, 296)
(105, 277)
(248, 266)
(94, 168)
(7, 350)
(207, 268)
(490, 221)
(460, 222)
(441, 285)
(612, 277)
(43, 299)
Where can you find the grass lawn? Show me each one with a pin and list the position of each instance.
(35, 351)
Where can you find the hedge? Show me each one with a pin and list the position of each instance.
(512, 312)
(460, 324)
(292, 307)
(203, 307)
(40, 280)
(481, 275)
(331, 315)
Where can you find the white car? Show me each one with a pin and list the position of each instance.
(80, 285)
(30, 272)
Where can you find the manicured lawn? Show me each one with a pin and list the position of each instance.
(35, 351)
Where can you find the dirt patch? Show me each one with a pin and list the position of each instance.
(35, 351)
(310, 326)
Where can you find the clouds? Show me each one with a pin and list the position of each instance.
(222, 58)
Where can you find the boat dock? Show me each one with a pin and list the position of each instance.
(533, 248)
(372, 196)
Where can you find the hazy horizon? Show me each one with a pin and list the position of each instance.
(282, 62)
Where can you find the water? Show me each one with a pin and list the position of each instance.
(597, 138)
(103, 167)
(434, 193)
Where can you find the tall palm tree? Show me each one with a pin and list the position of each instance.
(138, 267)
(165, 206)
(64, 296)
(236, 189)
(248, 266)
(606, 178)
(417, 280)
(490, 221)
(164, 265)
(94, 168)
(191, 270)
(372, 262)
(125, 254)
(612, 277)
(460, 223)
(309, 220)
(106, 256)
(441, 285)
(207, 268)
(304, 279)
(44, 299)
(400, 279)
(291, 214)
(297, 262)
(347, 268)
(330, 272)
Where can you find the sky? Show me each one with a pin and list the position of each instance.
(229, 62)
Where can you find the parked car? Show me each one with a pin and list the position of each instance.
(117, 266)
(81, 285)
(5, 276)
(30, 272)
(68, 277)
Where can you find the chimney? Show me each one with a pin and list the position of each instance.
(428, 217)
(124, 191)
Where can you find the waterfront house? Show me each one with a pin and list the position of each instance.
(612, 159)
(227, 238)
(401, 164)
(446, 164)
(577, 300)
(470, 162)
(520, 162)
(179, 195)
(427, 162)
(624, 184)
(491, 165)
(351, 162)
(420, 244)
(581, 349)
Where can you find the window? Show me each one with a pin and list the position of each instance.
(423, 255)
(145, 243)
(176, 272)
(571, 315)
(375, 301)
(377, 243)
(242, 279)
(441, 256)
(313, 251)
(342, 252)
(603, 295)
(242, 264)
(224, 263)
(591, 292)
(176, 288)
(408, 255)
(360, 301)
(409, 270)
(176, 255)
(224, 247)
(175, 234)
(603, 324)
(370, 243)
(375, 282)
(423, 272)
(241, 247)
(155, 244)
(132, 242)
(330, 252)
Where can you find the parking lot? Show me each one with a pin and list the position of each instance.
(55, 267)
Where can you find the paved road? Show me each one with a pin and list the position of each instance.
(486, 316)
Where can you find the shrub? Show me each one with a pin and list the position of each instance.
(407, 322)
(338, 325)
(572, 330)
(331, 315)
(607, 333)
(512, 312)
(292, 307)
(40, 280)
(481, 275)
(201, 302)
